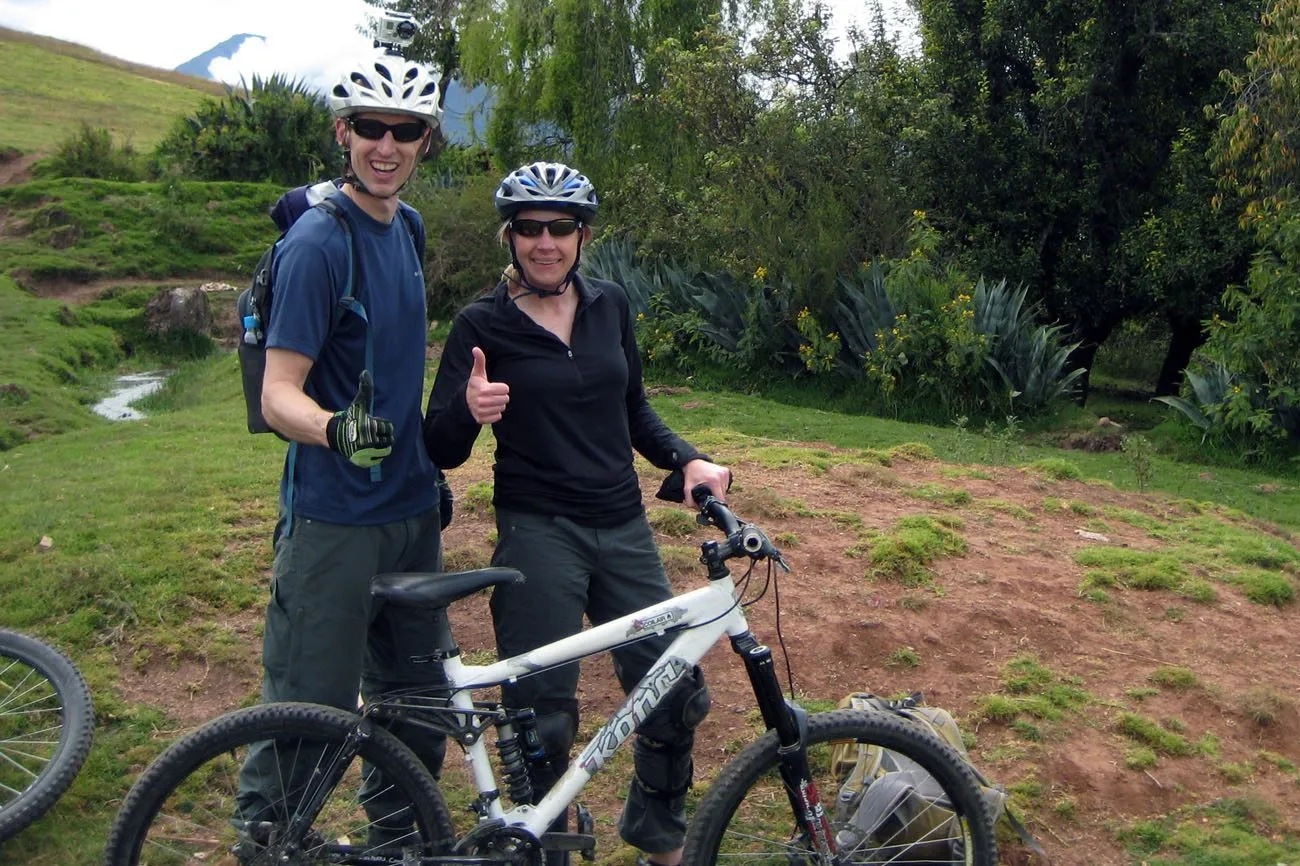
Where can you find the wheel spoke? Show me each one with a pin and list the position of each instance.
(746, 817)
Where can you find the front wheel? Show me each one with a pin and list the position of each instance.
(46, 724)
(932, 810)
(329, 787)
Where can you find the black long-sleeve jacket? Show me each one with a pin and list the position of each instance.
(565, 442)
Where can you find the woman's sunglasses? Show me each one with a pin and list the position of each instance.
(372, 129)
(561, 228)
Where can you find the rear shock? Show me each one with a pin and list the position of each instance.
(519, 745)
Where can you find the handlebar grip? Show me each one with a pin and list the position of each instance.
(715, 510)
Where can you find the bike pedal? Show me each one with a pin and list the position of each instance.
(586, 826)
(585, 843)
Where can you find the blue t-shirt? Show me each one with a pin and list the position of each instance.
(309, 277)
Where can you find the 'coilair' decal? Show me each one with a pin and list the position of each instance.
(658, 622)
(648, 694)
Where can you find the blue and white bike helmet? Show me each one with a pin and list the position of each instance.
(548, 186)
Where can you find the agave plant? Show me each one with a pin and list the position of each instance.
(862, 309)
(1028, 358)
(1209, 390)
(615, 259)
(1034, 373)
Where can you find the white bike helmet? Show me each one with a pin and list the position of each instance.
(390, 84)
(547, 185)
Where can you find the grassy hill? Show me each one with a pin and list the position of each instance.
(50, 87)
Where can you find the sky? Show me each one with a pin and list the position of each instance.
(308, 40)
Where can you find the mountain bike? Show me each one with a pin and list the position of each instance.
(46, 725)
(776, 802)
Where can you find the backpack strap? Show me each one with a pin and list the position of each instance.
(347, 302)
(350, 302)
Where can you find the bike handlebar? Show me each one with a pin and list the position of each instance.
(743, 539)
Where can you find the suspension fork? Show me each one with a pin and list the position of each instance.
(790, 722)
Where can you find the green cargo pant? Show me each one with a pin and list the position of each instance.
(325, 638)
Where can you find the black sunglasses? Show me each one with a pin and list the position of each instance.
(372, 129)
(560, 228)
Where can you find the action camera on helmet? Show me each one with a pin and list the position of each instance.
(394, 31)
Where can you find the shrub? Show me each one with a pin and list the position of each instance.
(276, 129)
(462, 258)
(89, 152)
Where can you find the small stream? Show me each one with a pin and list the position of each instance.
(130, 389)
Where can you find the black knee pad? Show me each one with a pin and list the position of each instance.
(675, 720)
(664, 769)
(557, 729)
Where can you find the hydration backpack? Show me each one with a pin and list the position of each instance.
(254, 303)
(891, 800)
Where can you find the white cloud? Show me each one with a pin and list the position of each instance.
(305, 39)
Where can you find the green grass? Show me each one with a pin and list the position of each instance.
(82, 230)
(1262, 494)
(50, 87)
(1229, 831)
(53, 367)
(906, 551)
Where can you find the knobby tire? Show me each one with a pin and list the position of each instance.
(46, 725)
(182, 808)
(745, 817)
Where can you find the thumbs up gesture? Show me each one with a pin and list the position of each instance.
(487, 400)
(355, 433)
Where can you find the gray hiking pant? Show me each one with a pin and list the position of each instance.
(604, 573)
(325, 638)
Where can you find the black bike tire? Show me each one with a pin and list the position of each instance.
(704, 836)
(381, 748)
(77, 717)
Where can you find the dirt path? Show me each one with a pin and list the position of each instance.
(1013, 595)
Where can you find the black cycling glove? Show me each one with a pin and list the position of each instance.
(358, 435)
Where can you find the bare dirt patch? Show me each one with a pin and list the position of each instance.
(1015, 593)
(16, 168)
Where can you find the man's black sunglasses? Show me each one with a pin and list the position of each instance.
(372, 129)
(561, 228)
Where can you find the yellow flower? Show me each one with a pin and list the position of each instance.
(760, 272)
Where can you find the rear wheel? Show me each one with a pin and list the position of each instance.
(935, 813)
(46, 724)
(184, 808)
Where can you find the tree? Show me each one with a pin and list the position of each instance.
(563, 71)
(1063, 116)
(1258, 340)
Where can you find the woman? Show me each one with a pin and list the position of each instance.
(549, 359)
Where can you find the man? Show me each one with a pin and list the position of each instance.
(344, 383)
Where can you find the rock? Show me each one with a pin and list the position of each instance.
(183, 308)
(1091, 536)
(217, 287)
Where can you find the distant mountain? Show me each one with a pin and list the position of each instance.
(456, 104)
(199, 65)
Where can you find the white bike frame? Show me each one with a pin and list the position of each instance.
(699, 619)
